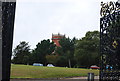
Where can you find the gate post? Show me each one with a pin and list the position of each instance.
(7, 15)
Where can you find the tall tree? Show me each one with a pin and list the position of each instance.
(45, 47)
(21, 53)
(87, 50)
(66, 51)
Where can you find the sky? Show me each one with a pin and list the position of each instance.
(36, 20)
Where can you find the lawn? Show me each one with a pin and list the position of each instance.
(27, 71)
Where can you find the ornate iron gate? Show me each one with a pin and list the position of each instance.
(110, 42)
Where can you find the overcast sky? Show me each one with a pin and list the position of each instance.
(36, 20)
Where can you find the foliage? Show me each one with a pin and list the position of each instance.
(21, 53)
(52, 59)
(45, 47)
(65, 52)
(87, 50)
(71, 53)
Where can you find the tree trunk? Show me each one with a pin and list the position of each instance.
(69, 63)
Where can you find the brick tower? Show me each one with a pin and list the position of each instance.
(56, 38)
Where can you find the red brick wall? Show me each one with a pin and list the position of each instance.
(56, 40)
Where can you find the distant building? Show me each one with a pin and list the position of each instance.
(56, 38)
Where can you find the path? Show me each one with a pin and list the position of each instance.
(65, 79)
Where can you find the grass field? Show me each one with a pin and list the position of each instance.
(27, 71)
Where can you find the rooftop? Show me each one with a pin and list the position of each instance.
(58, 35)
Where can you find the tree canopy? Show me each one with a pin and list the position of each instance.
(87, 50)
(73, 52)
(43, 48)
(21, 53)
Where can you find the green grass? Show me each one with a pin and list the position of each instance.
(27, 71)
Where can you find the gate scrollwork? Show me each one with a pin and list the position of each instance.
(110, 41)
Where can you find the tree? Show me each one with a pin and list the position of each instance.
(45, 47)
(66, 51)
(87, 49)
(21, 53)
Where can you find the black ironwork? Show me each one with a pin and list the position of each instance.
(110, 42)
(7, 13)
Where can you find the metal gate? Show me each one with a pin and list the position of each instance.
(110, 42)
